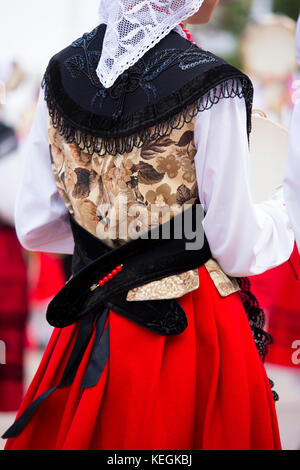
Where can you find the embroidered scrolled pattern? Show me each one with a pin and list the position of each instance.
(133, 28)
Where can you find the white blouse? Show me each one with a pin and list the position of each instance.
(292, 177)
(246, 239)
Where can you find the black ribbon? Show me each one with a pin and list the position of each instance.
(100, 354)
(97, 363)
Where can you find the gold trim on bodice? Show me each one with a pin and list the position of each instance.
(171, 287)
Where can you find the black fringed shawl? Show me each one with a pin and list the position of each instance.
(163, 91)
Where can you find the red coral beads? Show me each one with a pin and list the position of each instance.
(108, 277)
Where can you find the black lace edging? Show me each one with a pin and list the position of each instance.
(256, 317)
(93, 139)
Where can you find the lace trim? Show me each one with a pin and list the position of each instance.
(103, 143)
(256, 318)
(136, 27)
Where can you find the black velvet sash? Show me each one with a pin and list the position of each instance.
(149, 258)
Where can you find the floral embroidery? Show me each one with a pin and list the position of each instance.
(188, 167)
(159, 177)
(82, 186)
(141, 75)
(185, 195)
(86, 39)
(171, 87)
(162, 196)
(120, 177)
(156, 147)
(168, 165)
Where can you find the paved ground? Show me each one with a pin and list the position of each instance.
(287, 384)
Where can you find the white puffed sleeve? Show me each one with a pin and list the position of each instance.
(41, 217)
(245, 238)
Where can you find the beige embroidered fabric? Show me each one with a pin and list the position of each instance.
(118, 198)
(171, 287)
(224, 284)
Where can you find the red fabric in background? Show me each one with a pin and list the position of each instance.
(46, 279)
(278, 292)
(203, 389)
(13, 316)
(50, 277)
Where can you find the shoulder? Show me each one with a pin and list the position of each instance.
(168, 86)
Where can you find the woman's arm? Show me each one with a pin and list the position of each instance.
(41, 218)
(245, 238)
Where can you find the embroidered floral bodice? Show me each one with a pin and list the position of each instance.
(141, 186)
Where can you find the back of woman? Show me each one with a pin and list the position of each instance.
(148, 174)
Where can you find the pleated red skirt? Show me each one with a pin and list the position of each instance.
(204, 389)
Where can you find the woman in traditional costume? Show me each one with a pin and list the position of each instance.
(153, 348)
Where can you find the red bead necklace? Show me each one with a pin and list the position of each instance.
(187, 33)
(108, 277)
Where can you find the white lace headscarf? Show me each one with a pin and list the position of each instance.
(134, 27)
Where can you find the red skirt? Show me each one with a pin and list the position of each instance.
(203, 389)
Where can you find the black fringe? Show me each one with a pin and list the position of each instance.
(102, 145)
(256, 318)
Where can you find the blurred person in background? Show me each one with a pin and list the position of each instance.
(137, 111)
(292, 177)
(45, 272)
(298, 42)
(13, 272)
(278, 290)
